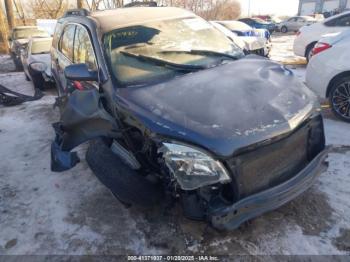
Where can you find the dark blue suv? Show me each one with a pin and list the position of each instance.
(173, 110)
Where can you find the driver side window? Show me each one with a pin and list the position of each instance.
(83, 49)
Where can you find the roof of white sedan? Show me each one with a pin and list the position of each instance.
(123, 17)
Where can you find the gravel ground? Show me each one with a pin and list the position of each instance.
(72, 213)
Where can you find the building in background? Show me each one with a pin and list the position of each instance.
(310, 7)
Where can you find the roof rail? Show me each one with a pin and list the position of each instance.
(141, 4)
(76, 12)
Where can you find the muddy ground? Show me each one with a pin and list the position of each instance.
(42, 212)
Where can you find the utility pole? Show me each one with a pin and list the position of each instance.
(9, 14)
(80, 3)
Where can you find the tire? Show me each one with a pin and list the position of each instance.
(126, 184)
(284, 29)
(339, 99)
(26, 76)
(18, 64)
(308, 53)
(38, 81)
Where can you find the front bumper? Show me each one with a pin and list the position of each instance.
(231, 217)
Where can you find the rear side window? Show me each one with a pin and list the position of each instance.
(65, 45)
(343, 21)
(83, 50)
(340, 21)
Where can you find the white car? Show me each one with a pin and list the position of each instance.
(308, 36)
(328, 73)
(295, 23)
(252, 41)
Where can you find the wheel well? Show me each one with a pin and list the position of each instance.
(336, 79)
(308, 46)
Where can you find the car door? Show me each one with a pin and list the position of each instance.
(83, 53)
(65, 54)
(292, 25)
(300, 23)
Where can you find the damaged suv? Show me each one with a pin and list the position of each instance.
(174, 110)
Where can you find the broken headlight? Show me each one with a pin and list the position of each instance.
(193, 168)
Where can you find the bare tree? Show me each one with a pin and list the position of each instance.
(208, 9)
(10, 13)
(4, 47)
(49, 9)
(222, 10)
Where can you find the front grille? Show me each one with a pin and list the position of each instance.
(272, 164)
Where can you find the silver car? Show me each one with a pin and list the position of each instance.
(295, 23)
(36, 61)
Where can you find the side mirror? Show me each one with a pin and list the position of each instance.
(80, 72)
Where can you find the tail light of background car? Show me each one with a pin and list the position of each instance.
(320, 47)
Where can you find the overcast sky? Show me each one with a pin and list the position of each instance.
(276, 7)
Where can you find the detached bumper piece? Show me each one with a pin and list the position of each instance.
(231, 217)
(61, 160)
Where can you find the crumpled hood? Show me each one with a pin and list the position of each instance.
(224, 108)
(253, 43)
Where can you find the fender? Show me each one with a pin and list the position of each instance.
(83, 118)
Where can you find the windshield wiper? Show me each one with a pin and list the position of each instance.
(157, 61)
(202, 52)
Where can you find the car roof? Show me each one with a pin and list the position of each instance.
(123, 17)
(236, 25)
(41, 39)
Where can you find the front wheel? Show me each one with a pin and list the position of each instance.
(284, 29)
(38, 81)
(339, 98)
(308, 53)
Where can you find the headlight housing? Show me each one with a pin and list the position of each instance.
(38, 66)
(193, 168)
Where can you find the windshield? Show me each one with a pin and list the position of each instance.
(41, 46)
(161, 49)
(27, 33)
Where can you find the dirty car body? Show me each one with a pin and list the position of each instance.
(230, 136)
(19, 39)
(36, 61)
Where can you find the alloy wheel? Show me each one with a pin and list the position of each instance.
(340, 100)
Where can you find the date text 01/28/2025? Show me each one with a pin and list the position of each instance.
(173, 258)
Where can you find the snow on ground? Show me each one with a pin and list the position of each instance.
(282, 50)
(42, 212)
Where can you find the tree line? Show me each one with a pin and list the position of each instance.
(14, 12)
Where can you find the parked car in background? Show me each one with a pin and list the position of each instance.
(249, 44)
(183, 112)
(328, 72)
(36, 61)
(259, 24)
(308, 36)
(254, 37)
(295, 23)
(47, 24)
(19, 37)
